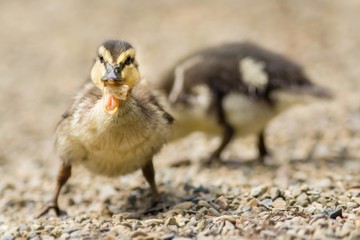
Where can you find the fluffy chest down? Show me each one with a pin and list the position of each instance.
(121, 144)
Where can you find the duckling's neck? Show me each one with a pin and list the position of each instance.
(126, 113)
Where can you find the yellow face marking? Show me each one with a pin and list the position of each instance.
(129, 74)
(123, 56)
(106, 55)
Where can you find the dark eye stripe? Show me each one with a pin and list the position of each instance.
(101, 58)
(128, 61)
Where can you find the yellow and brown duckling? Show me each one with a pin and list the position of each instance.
(115, 126)
(235, 89)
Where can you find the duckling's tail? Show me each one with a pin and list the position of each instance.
(316, 91)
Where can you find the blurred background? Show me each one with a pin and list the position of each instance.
(47, 49)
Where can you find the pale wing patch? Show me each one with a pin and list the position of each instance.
(253, 73)
(179, 77)
(106, 54)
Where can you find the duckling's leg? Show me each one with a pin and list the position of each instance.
(228, 134)
(149, 174)
(263, 151)
(62, 177)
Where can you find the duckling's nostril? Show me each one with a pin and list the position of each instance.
(117, 70)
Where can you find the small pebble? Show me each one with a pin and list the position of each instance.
(203, 203)
(153, 222)
(184, 205)
(32, 235)
(268, 234)
(279, 203)
(171, 221)
(168, 236)
(274, 193)
(304, 188)
(253, 202)
(296, 191)
(335, 213)
(214, 212)
(302, 200)
(351, 205)
(267, 202)
(221, 201)
(258, 191)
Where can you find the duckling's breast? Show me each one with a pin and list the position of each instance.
(248, 116)
(121, 145)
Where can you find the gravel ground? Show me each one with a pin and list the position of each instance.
(309, 190)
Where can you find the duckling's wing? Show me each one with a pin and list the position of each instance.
(149, 102)
(84, 100)
(167, 116)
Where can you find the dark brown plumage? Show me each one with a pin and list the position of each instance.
(237, 88)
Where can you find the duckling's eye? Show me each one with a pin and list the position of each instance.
(128, 61)
(101, 58)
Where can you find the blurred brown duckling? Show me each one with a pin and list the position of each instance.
(115, 126)
(235, 90)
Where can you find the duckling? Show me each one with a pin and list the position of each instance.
(235, 90)
(115, 125)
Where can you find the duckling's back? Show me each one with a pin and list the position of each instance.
(235, 67)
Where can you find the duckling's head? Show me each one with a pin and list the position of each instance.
(115, 72)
